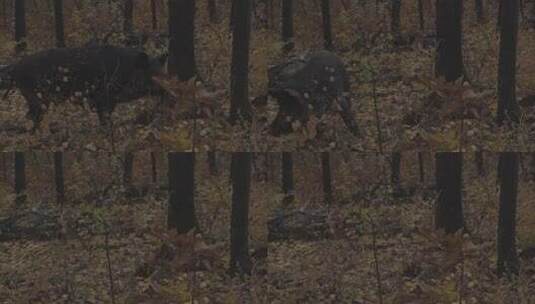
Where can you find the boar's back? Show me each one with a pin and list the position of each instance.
(308, 73)
(91, 70)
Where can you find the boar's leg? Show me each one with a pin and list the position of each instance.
(104, 117)
(104, 106)
(280, 125)
(104, 109)
(290, 110)
(344, 108)
(35, 110)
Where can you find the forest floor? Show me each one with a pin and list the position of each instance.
(378, 244)
(390, 87)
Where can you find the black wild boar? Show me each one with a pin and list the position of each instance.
(312, 84)
(101, 76)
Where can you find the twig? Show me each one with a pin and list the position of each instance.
(193, 136)
(461, 278)
(461, 136)
(376, 262)
(377, 119)
(110, 275)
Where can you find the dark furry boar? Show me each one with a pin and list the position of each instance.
(311, 84)
(101, 76)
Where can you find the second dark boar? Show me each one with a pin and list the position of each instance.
(101, 76)
(312, 84)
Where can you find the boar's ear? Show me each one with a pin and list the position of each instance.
(142, 61)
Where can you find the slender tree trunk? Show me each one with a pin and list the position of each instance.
(327, 178)
(532, 15)
(4, 166)
(395, 169)
(212, 11)
(532, 165)
(449, 210)
(421, 166)
(232, 18)
(59, 178)
(20, 177)
(20, 26)
(479, 11)
(500, 15)
(270, 12)
(154, 15)
(4, 14)
(240, 107)
(128, 25)
(421, 15)
(154, 170)
(507, 252)
(287, 25)
(507, 105)
(58, 18)
(522, 11)
(181, 213)
(449, 61)
(128, 167)
(212, 162)
(395, 23)
(181, 60)
(327, 27)
(240, 261)
(480, 163)
(287, 178)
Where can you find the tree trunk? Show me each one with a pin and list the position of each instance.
(240, 261)
(449, 61)
(154, 15)
(532, 165)
(128, 25)
(395, 169)
(59, 178)
(212, 11)
(449, 210)
(240, 107)
(532, 14)
(181, 209)
(20, 26)
(479, 11)
(153, 167)
(270, 12)
(232, 18)
(59, 20)
(500, 15)
(287, 178)
(4, 15)
(4, 166)
(212, 162)
(480, 163)
(421, 166)
(327, 178)
(327, 27)
(20, 177)
(128, 167)
(421, 15)
(395, 22)
(508, 178)
(507, 105)
(181, 60)
(287, 25)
